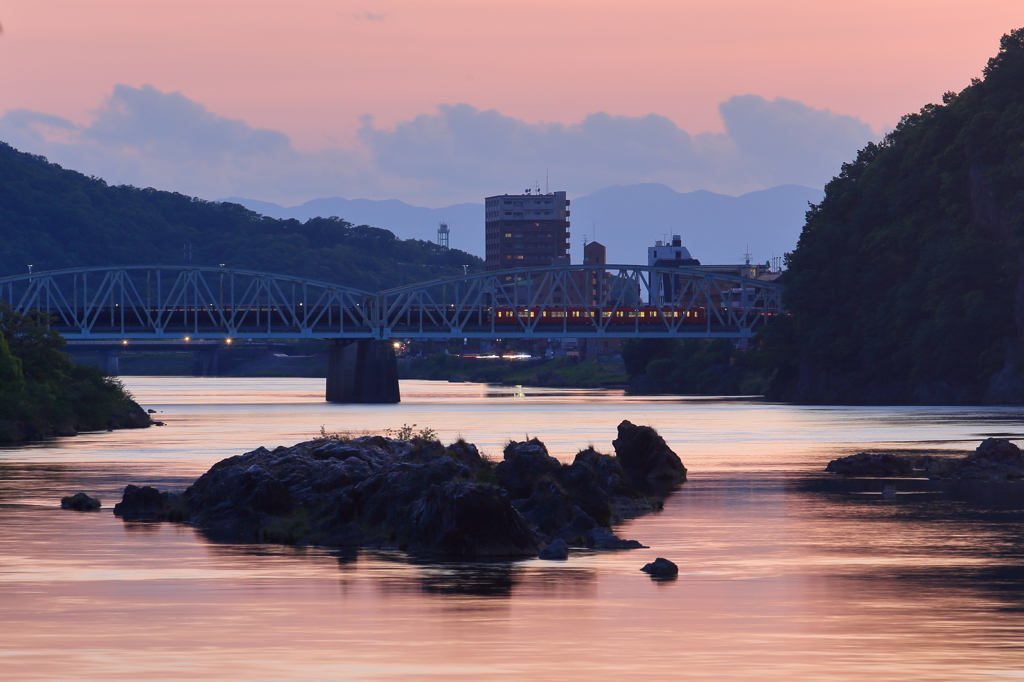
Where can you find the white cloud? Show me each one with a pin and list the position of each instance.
(146, 137)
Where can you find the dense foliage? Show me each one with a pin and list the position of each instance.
(907, 284)
(692, 366)
(42, 392)
(55, 218)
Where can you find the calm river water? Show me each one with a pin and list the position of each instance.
(785, 573)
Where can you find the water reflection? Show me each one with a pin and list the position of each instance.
(785, 572)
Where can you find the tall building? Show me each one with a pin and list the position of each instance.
(526, 230)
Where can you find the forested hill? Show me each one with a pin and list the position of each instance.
(907, 284)
(55, 218)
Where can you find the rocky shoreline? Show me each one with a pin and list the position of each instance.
(996, 459)
(423, 497)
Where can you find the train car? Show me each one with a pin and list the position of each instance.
(644, 316)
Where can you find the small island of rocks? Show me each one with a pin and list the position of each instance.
(996, 459)
(420, 496)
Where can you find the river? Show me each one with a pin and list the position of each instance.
(785, 572)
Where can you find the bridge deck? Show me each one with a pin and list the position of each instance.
(163, 303)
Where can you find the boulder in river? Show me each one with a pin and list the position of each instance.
(146, 504)
(80, 502)
(661, 568)
(645, 457)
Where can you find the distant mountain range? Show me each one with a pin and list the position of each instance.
(716, 228)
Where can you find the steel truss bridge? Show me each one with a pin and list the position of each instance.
(182, 304)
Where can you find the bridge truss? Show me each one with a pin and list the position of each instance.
(161, 303)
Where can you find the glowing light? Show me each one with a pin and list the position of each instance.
(228, 341)
(124, 342)
(188, 338)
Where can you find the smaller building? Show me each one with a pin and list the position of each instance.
(672, 255)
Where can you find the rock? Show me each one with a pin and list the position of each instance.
(414, 495)
(524, 464)
(463, 519)
(144, 504)
(867, 464)
(133, 418)
(574, 533)
(661, 568)
(556, 551)
(150, 411)
(995, 459)
(548, 508)
(80, 502)
(602, 538)
(646, 458)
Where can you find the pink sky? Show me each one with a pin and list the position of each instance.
(310, 68)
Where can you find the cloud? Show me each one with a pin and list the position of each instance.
(146, 137)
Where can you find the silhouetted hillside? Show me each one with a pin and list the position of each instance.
(55, 218)
(907, 285)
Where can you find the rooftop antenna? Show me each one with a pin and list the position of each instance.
(547, 184)
(747, 256)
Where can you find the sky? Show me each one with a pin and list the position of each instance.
(450, 100)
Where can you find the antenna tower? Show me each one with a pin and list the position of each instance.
(442, 234)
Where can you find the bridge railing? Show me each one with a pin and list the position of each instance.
(168, 302)
(196, 302)
(569, 301)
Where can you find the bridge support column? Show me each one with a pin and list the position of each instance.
(109, 362)
(204, 363)
(363, 371)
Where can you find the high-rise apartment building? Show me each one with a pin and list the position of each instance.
(526, 230)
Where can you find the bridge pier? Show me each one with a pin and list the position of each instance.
(109, 361)
(363, 371)
(204, 363)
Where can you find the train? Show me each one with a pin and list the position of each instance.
(643, 316)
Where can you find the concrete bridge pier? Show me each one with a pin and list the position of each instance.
(109, 361)
(204, 362)
(363, 371)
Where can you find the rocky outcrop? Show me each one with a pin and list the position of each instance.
(646, 459)
(415, 495)
(661, 568)
(556, 551)
(80, 502)
(147, 504)
(994, 459)
(867, 464)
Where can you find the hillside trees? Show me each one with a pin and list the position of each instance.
(56, 218)
(907, 284)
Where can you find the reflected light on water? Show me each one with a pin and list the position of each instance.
(785, 573)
